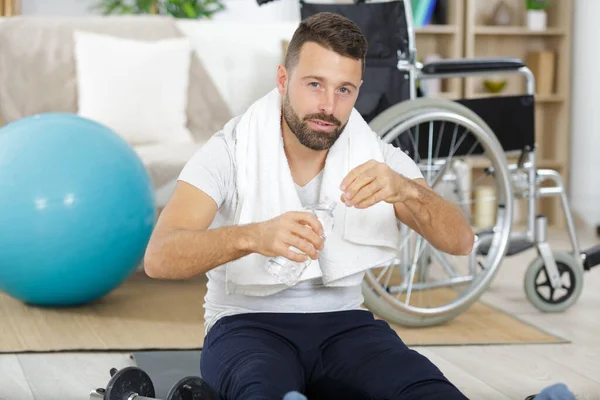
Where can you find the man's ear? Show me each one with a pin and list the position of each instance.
(282, 79)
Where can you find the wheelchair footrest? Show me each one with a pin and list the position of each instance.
(514, 247)
(592, 257)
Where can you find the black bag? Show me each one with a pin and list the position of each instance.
(384, 26)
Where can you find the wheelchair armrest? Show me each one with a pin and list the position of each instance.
(472, 66)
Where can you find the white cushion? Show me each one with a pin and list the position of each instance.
(137, 88)
(167, 154)
(164, 162)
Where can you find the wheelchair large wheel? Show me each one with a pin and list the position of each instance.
(424, 286)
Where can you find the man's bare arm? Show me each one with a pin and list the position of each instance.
(436, 219)
(183, 246)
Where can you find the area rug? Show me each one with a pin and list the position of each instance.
(150, 314)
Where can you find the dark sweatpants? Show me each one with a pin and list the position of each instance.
(340, 355)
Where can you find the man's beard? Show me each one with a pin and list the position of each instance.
(313, 139)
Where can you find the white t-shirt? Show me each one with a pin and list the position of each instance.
(212, 169)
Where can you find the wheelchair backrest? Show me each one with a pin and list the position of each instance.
(386, 28)
(383, 23)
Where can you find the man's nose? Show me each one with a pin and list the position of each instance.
(327, 104)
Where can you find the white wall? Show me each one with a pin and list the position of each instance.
(585, 126)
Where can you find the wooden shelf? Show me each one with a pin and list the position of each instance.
(444, 41)
(515, 31)
(438, 30)
(550, 164)
(539, 98)
(552, 112)
(446, 95)
(549, 98)
(481, 163)
(469, 35)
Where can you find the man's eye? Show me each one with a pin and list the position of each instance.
(314, 84)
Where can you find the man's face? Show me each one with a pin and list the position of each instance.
(319, 94)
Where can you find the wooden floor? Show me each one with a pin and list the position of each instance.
(482, 372)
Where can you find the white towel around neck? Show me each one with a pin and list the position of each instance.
(361, 238)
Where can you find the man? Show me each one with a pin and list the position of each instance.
(311, 338)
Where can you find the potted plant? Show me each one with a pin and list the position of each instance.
(191, 9)
(537, 18)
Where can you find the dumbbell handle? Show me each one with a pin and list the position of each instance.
(99, 395)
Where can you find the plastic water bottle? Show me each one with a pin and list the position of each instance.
(289, 272)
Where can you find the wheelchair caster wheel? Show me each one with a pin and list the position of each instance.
(538, 287)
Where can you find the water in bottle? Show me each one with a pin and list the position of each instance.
(289, 272)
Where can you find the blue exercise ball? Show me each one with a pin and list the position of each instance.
(76, 208)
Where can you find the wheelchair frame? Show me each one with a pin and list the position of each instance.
(535, 233)
(536, 230)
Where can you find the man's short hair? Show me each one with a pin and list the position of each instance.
(332, 31)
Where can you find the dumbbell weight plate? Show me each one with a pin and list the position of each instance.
(128, 381)
(199, 387)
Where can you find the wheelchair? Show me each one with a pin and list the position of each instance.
(469, 150)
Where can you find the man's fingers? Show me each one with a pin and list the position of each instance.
(303, 245)
(307, 218)
(365, 192)
(306, 232)
(290, 254)
(358, 184)
(373, 199)
(355, 172)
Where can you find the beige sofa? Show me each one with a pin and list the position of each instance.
(37, 74)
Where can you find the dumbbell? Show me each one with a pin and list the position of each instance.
(131, 383)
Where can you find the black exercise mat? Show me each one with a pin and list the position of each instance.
(167, 367)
